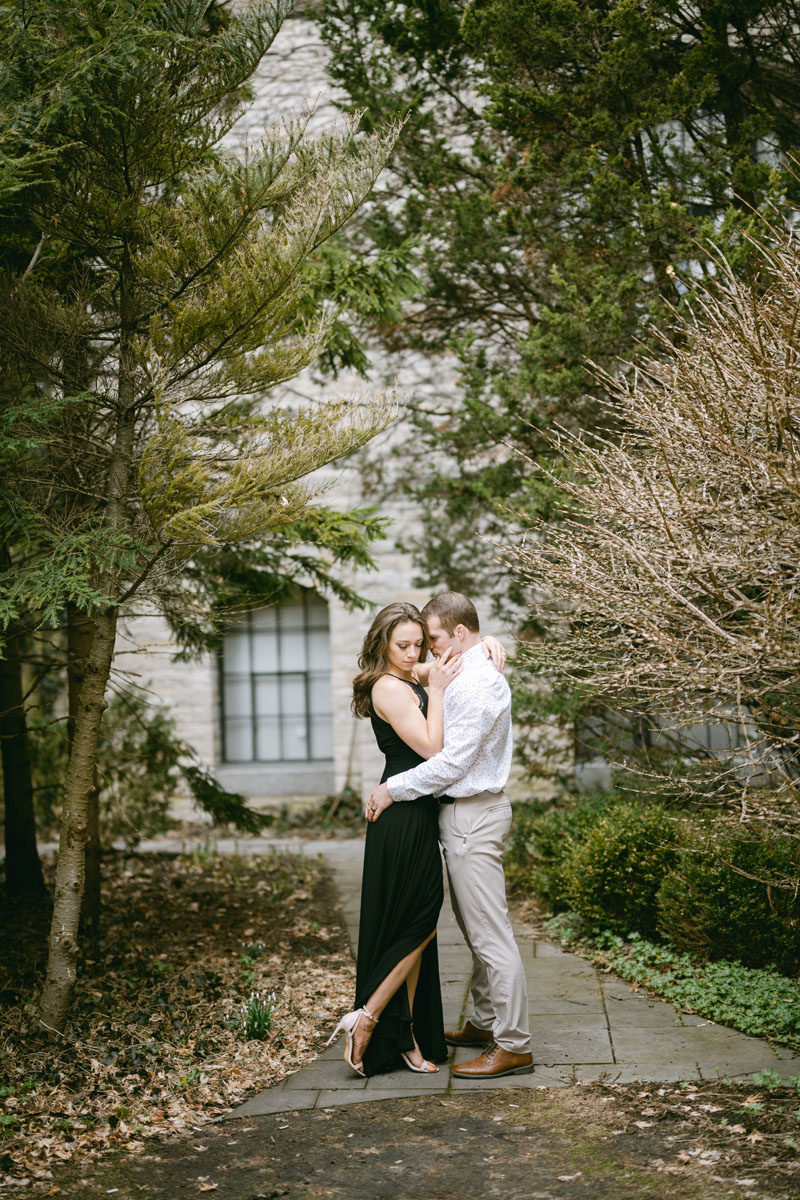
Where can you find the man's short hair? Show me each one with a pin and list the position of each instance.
(453, 609)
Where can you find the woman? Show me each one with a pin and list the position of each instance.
(399, 1013)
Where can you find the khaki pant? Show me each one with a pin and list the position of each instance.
(473, 833)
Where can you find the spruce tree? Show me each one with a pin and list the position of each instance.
(144, 410)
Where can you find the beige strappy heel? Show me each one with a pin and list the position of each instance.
(348, 1025)
(427, 1068)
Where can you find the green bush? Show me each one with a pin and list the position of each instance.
(613, 874)
(137, 769)
(541, 841)
(141, 765)
(721, 898)
(632, 866)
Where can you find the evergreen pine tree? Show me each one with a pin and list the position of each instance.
(157, 442)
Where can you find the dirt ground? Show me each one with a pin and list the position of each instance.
(157, 1045)
(130, 1105)
(554, 1144)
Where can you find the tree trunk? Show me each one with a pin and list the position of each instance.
(80, 783)
(23, 868)
(80, 633)
(71, 876)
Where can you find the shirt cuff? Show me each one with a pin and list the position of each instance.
(400, 787)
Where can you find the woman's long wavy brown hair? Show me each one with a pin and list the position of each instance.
(374, 659)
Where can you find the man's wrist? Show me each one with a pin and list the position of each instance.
(394, 787)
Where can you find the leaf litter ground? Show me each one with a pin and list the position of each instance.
(126, 1105)
(156, 1044)
(553, 1144)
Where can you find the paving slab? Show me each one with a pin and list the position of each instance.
(663, 1072)
(585, 1024)
(549, 950)
(333, 1098)
(324, 1073)
(711, 1047)
(493, 1085)
(276, 1100)
(652, 1015)
(405, 1080)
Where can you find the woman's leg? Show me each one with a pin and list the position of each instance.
(416, 1055)
(412, 977)
(406, 971)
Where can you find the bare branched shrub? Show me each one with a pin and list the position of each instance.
(678, 558)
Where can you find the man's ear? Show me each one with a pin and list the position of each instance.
(459, 632)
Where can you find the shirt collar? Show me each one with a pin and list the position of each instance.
(474, 651)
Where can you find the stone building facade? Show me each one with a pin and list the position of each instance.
(271, 715)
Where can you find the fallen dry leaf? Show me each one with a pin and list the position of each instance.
(141, 1078)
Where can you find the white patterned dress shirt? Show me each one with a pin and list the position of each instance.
(476, 756)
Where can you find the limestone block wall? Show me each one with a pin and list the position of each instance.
(290, 79)
(145, 658)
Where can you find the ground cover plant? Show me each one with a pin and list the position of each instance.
(680, 905)
(756, 1001)
(213, 976)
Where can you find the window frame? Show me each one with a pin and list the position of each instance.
(306, 598)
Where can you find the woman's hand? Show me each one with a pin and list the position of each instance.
(444, 669)
(495, 651)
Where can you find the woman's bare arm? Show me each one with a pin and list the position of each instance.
(396, 703)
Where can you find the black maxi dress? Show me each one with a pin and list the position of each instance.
(401, 895)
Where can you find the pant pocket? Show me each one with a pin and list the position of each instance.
(466, 820)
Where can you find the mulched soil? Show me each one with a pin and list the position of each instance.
(157, 1042)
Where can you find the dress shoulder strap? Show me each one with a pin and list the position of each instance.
(416, 687)
(411, 682)
(414, 684)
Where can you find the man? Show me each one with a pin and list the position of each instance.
(469, 775)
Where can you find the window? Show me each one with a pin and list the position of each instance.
(276, 684)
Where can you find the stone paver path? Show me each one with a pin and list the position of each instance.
(584, 1023)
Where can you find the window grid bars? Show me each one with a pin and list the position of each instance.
(278, 675)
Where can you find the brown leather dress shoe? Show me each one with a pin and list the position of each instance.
(494, 1062)
(469, 1035)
